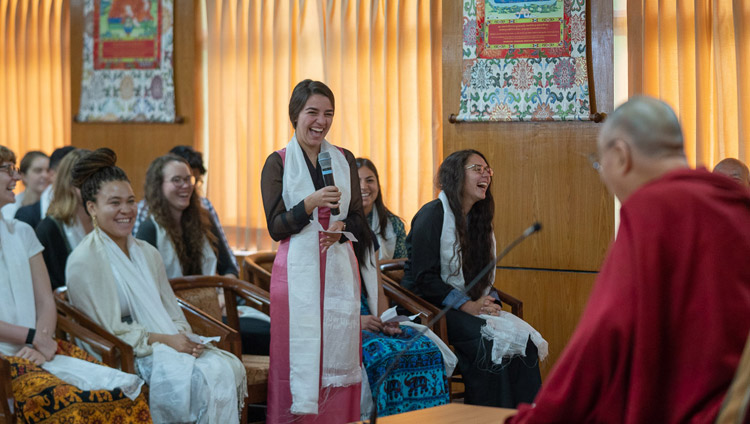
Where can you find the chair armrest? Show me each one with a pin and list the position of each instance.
(127, 357)
(516, 305)
(252, 294)
(206, 325)
(106, 349)
(8, 407)
(415, 304)
(256, 274)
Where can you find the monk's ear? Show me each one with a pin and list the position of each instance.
(623, 156)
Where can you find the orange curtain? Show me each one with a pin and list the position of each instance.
(382, 59)
(695, 55)
(34, 75)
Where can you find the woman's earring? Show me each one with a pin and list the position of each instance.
(93, 221)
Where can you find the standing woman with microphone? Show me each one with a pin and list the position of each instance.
(315, 349)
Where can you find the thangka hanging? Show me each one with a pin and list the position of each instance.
(127, 61)
(524, 61)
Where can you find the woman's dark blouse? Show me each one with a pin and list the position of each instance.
(56, 249)
(282, 221)
(224, 265)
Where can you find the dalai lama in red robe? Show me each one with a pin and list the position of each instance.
(669, 315)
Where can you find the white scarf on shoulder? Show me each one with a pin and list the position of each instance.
(508, 333)
(387, 243)
(169, 255)
(170, 372)
(17, 306)
(339, 334)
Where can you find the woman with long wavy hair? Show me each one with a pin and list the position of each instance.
(179, 227)
(460, 221)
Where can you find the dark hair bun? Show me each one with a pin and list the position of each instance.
(91, 163)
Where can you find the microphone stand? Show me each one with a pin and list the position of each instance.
(529, 231)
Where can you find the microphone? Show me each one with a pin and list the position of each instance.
(535, 227)
(324, 159)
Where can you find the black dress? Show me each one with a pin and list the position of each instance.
(506, 385)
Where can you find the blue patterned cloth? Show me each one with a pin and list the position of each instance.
(418, 382)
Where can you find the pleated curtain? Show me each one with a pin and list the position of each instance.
(382, 59)
(34, 75)
(695, 55)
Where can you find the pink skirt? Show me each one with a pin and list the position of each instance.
(336, 404)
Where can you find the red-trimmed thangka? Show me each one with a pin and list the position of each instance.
(524, 60)
(127, 61)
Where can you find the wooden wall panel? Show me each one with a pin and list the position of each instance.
(558, 301)
(542, 174)
(137, 145)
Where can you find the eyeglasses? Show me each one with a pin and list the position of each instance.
(10, 168)
(480, 169)
(182, 181)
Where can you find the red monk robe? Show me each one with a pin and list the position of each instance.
(668, 317)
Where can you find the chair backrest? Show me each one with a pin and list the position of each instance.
(393, 269)
(7, 400)
(257, 267)
(233, 287)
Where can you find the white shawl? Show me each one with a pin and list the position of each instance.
(508, 333)
(18, 307)
(174, 376)
(340, 333)
(387, 243)
(172, 262)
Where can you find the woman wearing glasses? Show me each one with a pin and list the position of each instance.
(52, 380)
(178, 226)
(460, 220)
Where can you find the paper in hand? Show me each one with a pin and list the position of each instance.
(390, 315)
(320, 228)
(202, 340)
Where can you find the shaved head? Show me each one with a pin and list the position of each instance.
(647, 124)
(734, 169)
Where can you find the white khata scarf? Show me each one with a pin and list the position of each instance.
(387, 243)
(508, 332)
(340, 333)
(172, 375)
(17, 306)
(169, 255)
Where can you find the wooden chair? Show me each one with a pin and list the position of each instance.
(393, 272)
(122, 356)
(67, 330)
(201, 290)
(256, 269)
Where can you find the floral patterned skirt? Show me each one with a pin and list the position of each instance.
(417, 382)
(43, 398)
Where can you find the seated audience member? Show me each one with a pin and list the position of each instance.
(121, 284)
(735, 170)
(667, 320)
(66, 223)
(195, 160)
(32, 214)
(439, 268)
(180, 228)
(33, 168)
(420, 380)
(52, 380)
(388, 227)
(177, 224)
